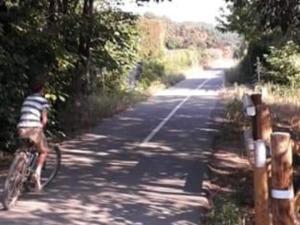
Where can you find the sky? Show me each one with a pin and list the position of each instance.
(181, 10)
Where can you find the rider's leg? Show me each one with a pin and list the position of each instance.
(43, 149)
(42, 157)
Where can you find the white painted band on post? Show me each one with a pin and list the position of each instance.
(260, 153)
(250, 111)
(281, 133)
(282, 194)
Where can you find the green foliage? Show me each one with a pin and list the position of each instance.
(255, 18)
(152, 70)
(224, 212)
(265, 24)
(90, 109)
(246, 70)
(283, 65)
(280, 14)
(157, 71)
(67, 45)
(243, 19)
(177, 60)
(172, 78)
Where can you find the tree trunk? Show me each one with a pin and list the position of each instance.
(83, 50)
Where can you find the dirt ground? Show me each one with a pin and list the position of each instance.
(230, 173)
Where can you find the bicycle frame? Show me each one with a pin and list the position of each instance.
(32, 155)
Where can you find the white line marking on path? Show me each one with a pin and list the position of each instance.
(160, 126)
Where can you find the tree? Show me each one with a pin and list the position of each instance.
(65, 42)
(255, 18)
(281, 14)
(267, 26)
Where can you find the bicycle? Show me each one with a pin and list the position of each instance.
(23, 166)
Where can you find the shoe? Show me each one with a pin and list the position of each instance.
(37, 181)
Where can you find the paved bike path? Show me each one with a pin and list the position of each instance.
(145, 166)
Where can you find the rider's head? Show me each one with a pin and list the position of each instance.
(36, 86)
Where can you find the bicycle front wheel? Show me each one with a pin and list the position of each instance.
(14, 181)
(51, 166)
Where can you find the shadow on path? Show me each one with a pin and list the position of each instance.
(108, 177)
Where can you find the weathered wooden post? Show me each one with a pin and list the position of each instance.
(263, 123)
(257, 100)
(282, 173)
(264, 129)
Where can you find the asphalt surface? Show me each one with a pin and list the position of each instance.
(145, 166)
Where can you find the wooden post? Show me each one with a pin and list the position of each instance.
(261, 191)
(257, 100)
(263, 123)
(262, 129)
(282, 188)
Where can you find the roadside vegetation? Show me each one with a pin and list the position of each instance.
(270, 64)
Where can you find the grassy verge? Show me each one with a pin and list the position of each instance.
(283, 101)
(230, 172)
(89, 110)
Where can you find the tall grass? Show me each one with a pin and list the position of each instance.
(283, 101)
(285, 105)
(89, 110)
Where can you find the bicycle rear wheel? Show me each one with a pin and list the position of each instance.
(14, 181)
(51, 166)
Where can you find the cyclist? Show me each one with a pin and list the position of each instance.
(32, 121)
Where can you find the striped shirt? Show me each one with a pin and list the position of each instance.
(31, 111)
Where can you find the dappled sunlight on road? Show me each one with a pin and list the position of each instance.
(111, 176)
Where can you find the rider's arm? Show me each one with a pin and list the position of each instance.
(44, 118)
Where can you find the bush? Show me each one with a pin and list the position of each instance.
(152, 70)
(172, 79)
(283, 65)
(224, 213)
(88, 110)
(245, 72)
(177, 60)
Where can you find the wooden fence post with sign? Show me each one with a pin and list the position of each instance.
(253, 106)
(282, 186)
